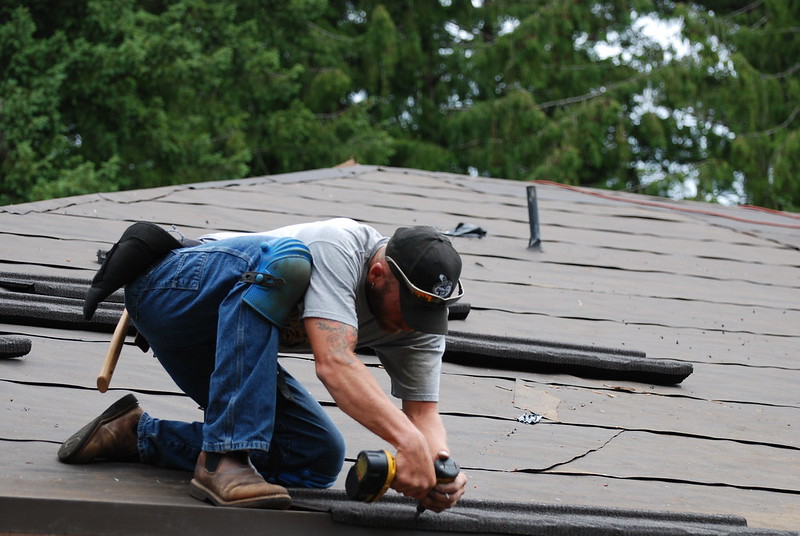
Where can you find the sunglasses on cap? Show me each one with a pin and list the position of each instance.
(425, 296)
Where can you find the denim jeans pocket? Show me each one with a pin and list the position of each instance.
(187, 271)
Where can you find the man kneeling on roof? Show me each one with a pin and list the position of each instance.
(216, 315)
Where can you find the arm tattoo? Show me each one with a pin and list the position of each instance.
(341, 339)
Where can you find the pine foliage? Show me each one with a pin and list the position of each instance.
(103, 96)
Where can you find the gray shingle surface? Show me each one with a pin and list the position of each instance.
(710, 287)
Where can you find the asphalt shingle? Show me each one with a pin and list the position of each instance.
(709, 290)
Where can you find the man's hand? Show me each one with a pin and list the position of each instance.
(415, 474)
(444, 496)
(425, 416)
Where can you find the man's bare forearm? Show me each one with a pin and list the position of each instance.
(350, 383)
(425, 416)
(358, 394)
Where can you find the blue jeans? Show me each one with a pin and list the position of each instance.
(224, 355)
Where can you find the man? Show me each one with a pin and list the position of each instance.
(212, 314)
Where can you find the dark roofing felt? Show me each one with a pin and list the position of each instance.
(711, 288)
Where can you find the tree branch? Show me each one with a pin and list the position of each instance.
(788, 72)
(746, 9)
(595, 93)
(326, 33)
(776, 128)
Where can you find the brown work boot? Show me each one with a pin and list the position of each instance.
(111, 436)
(235, 482)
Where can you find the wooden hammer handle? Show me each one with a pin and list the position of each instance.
(114, 349)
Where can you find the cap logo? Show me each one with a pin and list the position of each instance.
(444, 287)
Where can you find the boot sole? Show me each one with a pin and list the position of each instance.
(279, 501)
(72, 447)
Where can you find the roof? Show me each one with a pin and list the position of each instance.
(662, 282)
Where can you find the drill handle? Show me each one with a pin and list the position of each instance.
(446, 470)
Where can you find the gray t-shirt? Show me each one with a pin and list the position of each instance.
(341, 249)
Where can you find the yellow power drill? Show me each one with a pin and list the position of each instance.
(374, 472)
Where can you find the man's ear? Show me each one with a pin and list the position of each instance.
(377, 272)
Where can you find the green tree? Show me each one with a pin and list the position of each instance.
(119, 97)
(722, 116)
(97, 95)
(748, 84)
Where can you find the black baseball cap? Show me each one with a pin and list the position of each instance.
(428, 270)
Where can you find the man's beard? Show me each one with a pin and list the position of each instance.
(377, 306)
